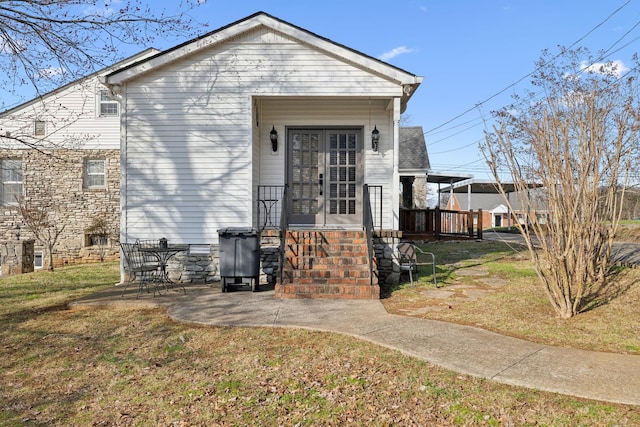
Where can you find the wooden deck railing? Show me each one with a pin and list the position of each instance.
(440, 223)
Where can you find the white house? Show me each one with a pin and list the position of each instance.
(210, 133)
(196, 125)
(262, 103)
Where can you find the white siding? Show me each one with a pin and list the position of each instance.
(193, 137)
(70, 114)
(70, 117)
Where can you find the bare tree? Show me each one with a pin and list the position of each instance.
(45, 44)
(576, 137)
(101, 230)
(45, 230)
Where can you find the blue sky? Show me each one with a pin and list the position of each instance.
(466, 50)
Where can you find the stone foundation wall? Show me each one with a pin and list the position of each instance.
(54, 181)
(17, 257)
(384, 244)
(201, 264)
(269, 257)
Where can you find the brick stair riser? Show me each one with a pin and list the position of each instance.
(333, 264)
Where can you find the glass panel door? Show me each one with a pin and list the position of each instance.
(344, 177)
(324, 176)
(304, 176)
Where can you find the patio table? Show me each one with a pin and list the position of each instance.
(164, 255)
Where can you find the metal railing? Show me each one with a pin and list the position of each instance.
(270, 206)
(284, 225)
(375, 204)
(368, 224)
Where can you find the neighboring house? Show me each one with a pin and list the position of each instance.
(414, 167)
(61, 153)
(497, 211)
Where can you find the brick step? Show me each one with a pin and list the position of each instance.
(361, 291)
(328, 245)
(331, 274)
(327, 264)
(349, 260)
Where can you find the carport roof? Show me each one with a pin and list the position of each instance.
(482, 186)
(446, 177)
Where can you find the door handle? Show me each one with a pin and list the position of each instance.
(320, 183)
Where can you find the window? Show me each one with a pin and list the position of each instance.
(108, 104)
(38, 260)
(95, 174)
(39, 128)
(11, 175)
(96, 240)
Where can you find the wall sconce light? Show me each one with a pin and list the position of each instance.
(273, 136)
(375, 137)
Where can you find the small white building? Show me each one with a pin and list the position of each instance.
(197, 121)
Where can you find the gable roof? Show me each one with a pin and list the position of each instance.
(261, 19)
(133, 58)
(413, 158)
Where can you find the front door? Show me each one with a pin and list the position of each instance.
(325, 176)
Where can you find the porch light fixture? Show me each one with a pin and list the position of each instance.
(375, 137)
(273, 136)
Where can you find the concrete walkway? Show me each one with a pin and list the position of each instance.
(593, 375)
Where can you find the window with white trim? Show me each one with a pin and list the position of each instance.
(11, 176)
(39, 128)
(38, 260)
(108, 104)
(95, 175)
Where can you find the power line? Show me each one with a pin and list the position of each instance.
(460, 148)
(529, 74)
(584, 69)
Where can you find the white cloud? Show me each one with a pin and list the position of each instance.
(394, 52)
(616, 67)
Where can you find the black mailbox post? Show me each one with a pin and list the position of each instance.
(239, 256)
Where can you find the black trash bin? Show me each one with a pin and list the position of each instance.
(239, 251)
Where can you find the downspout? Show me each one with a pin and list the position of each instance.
(123, 175)
(119, 91)
(396, 164)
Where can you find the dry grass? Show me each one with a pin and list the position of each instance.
(494, 286)
(116, 367)
(136, 367)
(629, 231)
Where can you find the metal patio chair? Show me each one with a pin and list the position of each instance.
(138, 268)
(149, 257)
(409, 259)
